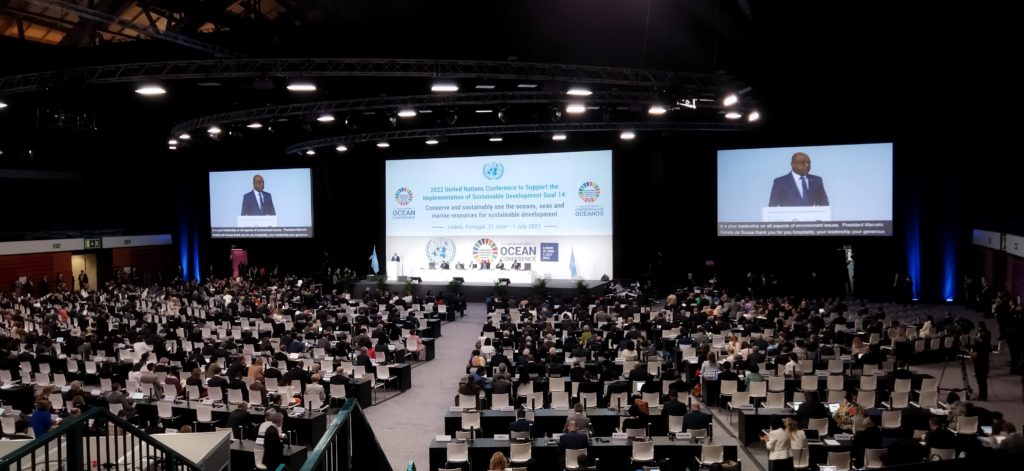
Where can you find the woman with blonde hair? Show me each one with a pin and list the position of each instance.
(498, 462)
(797, 441)
(859, 348)
(780, 454)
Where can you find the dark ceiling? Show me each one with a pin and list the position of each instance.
(815, 69)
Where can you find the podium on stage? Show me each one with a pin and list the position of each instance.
(796, 213)
(257, 221)
(394, 270)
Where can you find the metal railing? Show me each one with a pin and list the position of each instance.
(94, 440)
(348, 444)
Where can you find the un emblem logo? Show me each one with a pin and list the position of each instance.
(440, 250)
(493, 170)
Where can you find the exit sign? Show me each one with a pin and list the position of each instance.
(93, 243)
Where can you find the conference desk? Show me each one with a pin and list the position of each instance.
(613, 454)
(429, 346)
(308, 427)
(751, 422)
(242, 456)
(545, 421)
(474, 276)
(401, 370)
(19, 396)
(433, 329)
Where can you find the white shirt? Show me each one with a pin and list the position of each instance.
(800, 186)
(778, 445)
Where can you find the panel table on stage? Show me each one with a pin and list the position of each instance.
(613, 454)
(474, 276)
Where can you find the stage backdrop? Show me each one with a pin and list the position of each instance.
(550, 212)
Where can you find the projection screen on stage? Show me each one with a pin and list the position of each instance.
(466, 217)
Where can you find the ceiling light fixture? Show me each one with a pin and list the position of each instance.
(310, 152)
(733, 115)
(627, 135)
(150, 90)
(302, 86)
(579, 91)
(527, 85)
(407, 113)
(495, 139)
(753, 116)
(184, 136)
(213, 130)
(558, 137)
(172, 142)
(383, 144)
(730, 100)
(484, 111)
(254, 125)
(3, 105)
(341, 148)
(484, 86)
(172, 147)
(657, 110)
(325, 118)
(575, 108)
(432, 142)
(444, 87)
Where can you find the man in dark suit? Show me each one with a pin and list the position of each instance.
(257, 202)
(521, 424)
(811, 408)
(869, 437)
(572, 440)
(938, 436)
(445, 265)
(396, 258)
(673, 406)
(799, 188)
(696, 420)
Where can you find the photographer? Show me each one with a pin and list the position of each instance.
(981, 349)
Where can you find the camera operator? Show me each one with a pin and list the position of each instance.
(981, 348)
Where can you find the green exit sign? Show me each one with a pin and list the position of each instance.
(93, 243)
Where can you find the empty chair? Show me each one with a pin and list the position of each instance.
(711, 454)
(57, 401)
(498, 401)
(821, 425)
(942, 453)
(9, 424)
(43, 379)
(467, 401)
(841, 460)
(589, 399)
(556, 384)
(59, 380)
(652, 399)
(559, 400)
(675, 424)
(338, 392)
(204, 415)
(901, 385)
(193, 393)
(868, 383)
(899, 400)
(835, 382)
(776, 400)
(873, 457)
(808, 383)
(891, 419)
(801, 458)
(234, 396)
(520, 452)
(776, 384)
(966, 426)
(739, 399)
(470, 420)
(758, 389)
(869, 369)
(835, 395)
(115, 407)
(919, 346)
(835, 366)
(572, 457)
(457, 452)
(807, 366)
(928, 399)
(165, 411)
(929, 384)
(618, 401)
(643, 451)
(866, 399)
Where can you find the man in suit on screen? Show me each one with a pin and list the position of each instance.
(798, 187)
(258, 202)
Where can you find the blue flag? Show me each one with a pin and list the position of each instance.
(572, 264)
(373, 261)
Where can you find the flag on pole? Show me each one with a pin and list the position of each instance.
(373, 261)
(572, 264)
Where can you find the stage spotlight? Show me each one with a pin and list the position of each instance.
(184, 136)
(325, 118)
(310, 152)
(254, 125)
(558, 136)
(579, 91)
(407, 113)
(575, 108)
(432, 142)
(627, 135)
(214, 130)
(383, 144)
(753, 116)
(341, 148)
(730, 100)
(657, 110)
(149, 90)
(301, 86)
(733, 115)
(172, 142)
(444, 87)
(2, 105)
(495, 139)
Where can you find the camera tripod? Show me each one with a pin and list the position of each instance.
(966, 385)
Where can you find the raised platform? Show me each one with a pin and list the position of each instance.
(479, 291)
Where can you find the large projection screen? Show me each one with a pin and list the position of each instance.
(468, 216)
(281, 209)
(840, 190)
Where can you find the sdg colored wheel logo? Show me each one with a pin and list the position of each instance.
(485, 249)
(589, 192)
(403, 196)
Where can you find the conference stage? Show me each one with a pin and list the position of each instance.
(475, 291)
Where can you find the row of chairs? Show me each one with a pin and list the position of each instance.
(522, 453)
